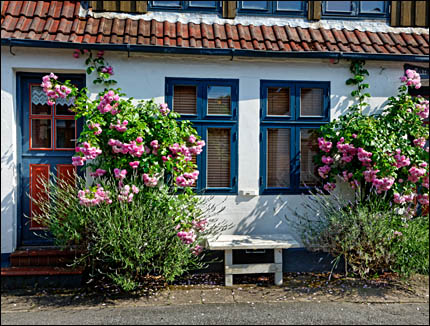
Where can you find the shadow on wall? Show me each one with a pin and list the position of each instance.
(8, 205)
(267, 214)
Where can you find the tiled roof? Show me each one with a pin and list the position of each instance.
(60, 21)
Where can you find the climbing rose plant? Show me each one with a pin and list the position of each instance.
(139, 143)
(384, 153)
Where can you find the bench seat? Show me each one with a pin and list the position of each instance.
(228, 243)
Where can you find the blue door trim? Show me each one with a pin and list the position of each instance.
(20, 78)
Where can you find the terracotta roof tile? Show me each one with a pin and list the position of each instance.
(60, 21)
(292, 34)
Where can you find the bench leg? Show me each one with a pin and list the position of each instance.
(278, 260)
(228, 261)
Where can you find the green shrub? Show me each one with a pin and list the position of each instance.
(371, 236)
(126, 240)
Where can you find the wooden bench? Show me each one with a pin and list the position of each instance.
(228, 243)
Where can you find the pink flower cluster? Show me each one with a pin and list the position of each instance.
(411, 78)
(88, 198)
(132, 148)
(348, 150)
(329, 186)
(98, 173)
(426, 182)
(423, 108)
(197, 250)
(150, 181)
(134, 165)
(108, 69)
(177, 149)
(416, 173)
(88, 151)
(100, 54)
(370, 175)
(325, 146)
(187, 237)
(383, 184)
(423, 199)
(120, 126)
(420, 142)
(200, 225)
(96, 126)
(187, 179)
(155, 146)
(120, 174)
(364, 156)
(327, 160)
(126, 195)
(53, 91)
(398, 199)
(106, 101)
(401, 160)
(323, 171)
(164, 109)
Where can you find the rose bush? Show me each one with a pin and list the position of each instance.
(384, 158)
(137, 154)
(384, 153)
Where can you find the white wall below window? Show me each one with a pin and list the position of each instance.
(142, 76)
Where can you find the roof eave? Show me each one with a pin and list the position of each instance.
(221, 52)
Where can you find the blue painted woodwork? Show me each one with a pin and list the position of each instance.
(295, 123)
(25, 236)
(202, 121)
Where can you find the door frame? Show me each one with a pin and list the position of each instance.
(20, 76)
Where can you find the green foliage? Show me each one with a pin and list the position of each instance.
(124, 241)
(370, 236)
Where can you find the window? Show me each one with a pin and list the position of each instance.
(206, 6)
(291, 8)
(211, 105)
(355, 9)
(290, 112)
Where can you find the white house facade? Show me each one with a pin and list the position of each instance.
(279, 89)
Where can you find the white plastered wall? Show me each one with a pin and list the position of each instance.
(142, 76)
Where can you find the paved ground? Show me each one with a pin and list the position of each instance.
(303, 299)
(286, 313)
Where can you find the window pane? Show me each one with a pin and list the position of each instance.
(374, 7)
(259, 5)
(218, 157)
(185, 99)
(166, 3)
(39, 101)
(40, 133)
(278, 157)
(311, 102)
(289, 5)
(65, 133)
(278, 101)
(308, 149)
(62, 106)
(342, 6)
(205, 4)
(219, 100)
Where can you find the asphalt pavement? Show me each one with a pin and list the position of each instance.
(286, 313)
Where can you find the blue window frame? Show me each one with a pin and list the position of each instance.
(272, 8)
(185, 6)
(355, 9)
(290, 111)
(212, 106)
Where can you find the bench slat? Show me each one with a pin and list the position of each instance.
(271, 241)
(253, 268)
